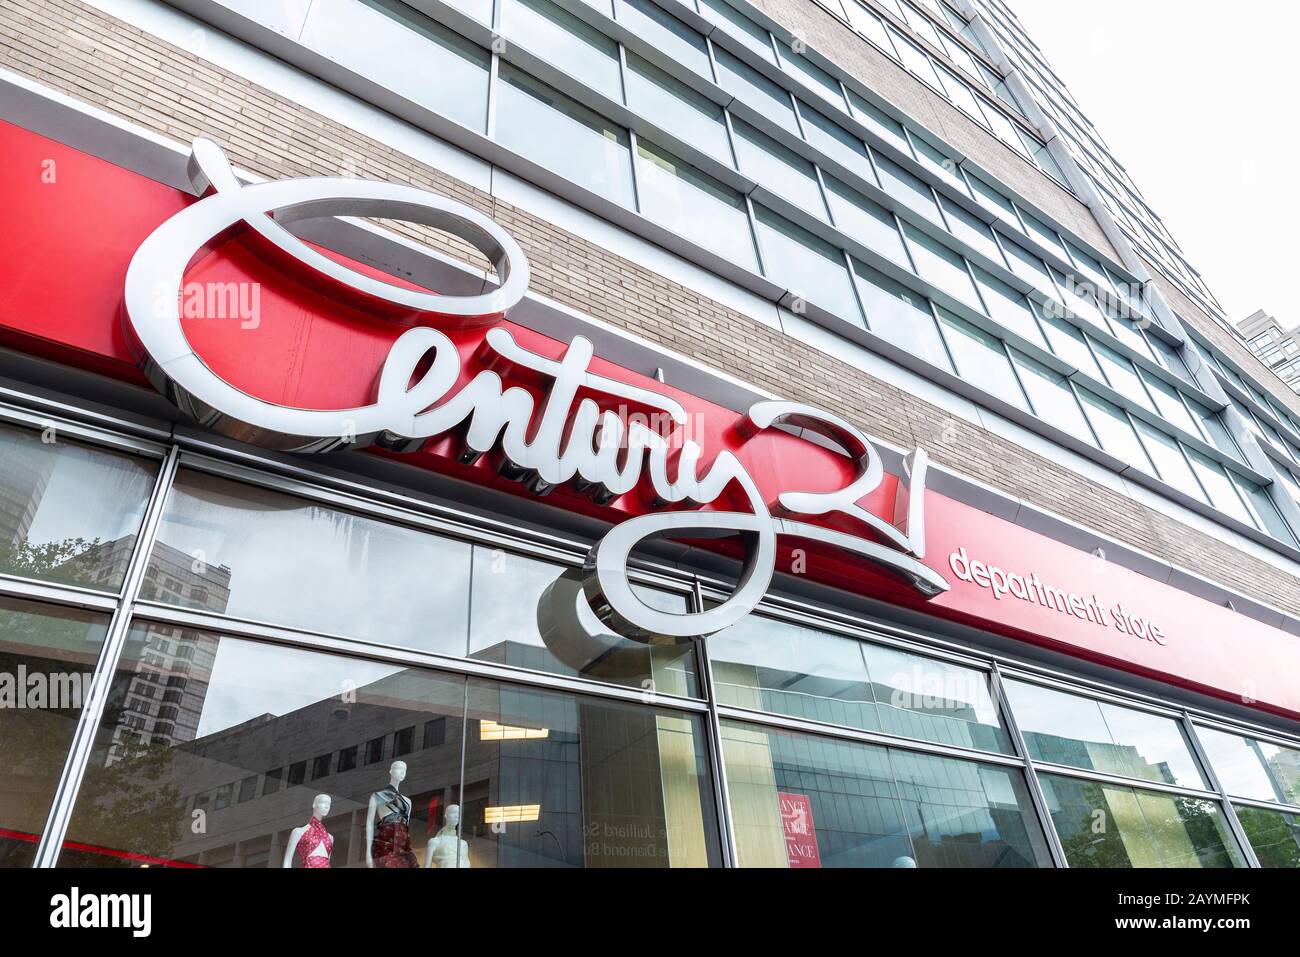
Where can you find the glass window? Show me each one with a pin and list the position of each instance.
(1081, 732)
(992, 200)
(1030, 268)
(803, 801)
(677, 108)
(247, 552)
(915, 59)
(1078, 299)
(838, 143)
(1052, 398)
(650, 21)
(1115, 430)
(981, 359)
(767, 665)
(899, 315)
(885, 126)
(425, 62)
(48, 655)
(738, 26)
(523, 612)
(1170, 404)
(1044, 234)
(869, 25)
(550, 129)
(872, 225)
(1105, 825)
(756, 91)
(1172, 465)
(971, 230)
(939, 162)
(247, 708)
(1008, 306)
(1250, 768)
(1065, 339)
(680, 197)
(70, 513)
(1169, 358)
(564, 41)
(810, 268)
(817, 79)
(784, 172)
(906, 188)
(1223, 494)
(1214, 430)
(1264, 509)
(1121, 375)
(938, 264)
(959, 92)
(558, 780)
(1274, 835)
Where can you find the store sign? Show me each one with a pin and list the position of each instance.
(572, 439)
(800, 835)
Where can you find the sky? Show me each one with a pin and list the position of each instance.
(1199, 107)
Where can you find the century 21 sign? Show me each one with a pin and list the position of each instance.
(570, 440)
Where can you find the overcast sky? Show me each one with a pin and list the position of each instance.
(1197, 100)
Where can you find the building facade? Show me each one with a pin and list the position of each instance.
(618, 433)
(1276, 347)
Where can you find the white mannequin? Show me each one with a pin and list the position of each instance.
(446, 849)
(320, 808)
(396, 775)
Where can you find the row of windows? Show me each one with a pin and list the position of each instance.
(544, 777)
(561, 135)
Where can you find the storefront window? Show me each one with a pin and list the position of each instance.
(47, 657)
(1274, 835)
(558, 780)
(523, 612)
(1249, 768)
(767, 665)
(1081, 732)
(69, 513)
(1106, 825)
(804, 801)
(247, 552)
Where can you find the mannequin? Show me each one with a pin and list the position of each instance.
(388, 824)
(447, 849)
(313, 843)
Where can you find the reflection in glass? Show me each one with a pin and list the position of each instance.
(47, 658)
(1085, 733)
(238, 550)
(1105, 825)
(564, 41)
(581, 782)
(1250, 768)
(1274, 835)
(522, 613)
(673, 105)
(803, 801)
(191, 716)
(69, 513)
(808, 266)
(900, 315)
(767, 665)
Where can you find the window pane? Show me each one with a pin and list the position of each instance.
(1214, 430)
(1008, 306)
(817, 79)
(756, 91)
(229, 709)
(564, 41)
(971, 229)
(906, 188)
(1030, 268)
(784, 172)
(807, 266)
(767, 665)
(1170, 405)
(869, 25)
(939, 265)
(677, 108)
(803, 801)
(839, 144)
(238, 550)
(667, 33)
(1275, 835)
(736, 24)
(980, 359)
(1263, 508)
(1052, 398)
(557, 780)
(1115, 430)
(994, 201)
(1080, 732)
(1103, 825)
(1250, 768)
(885, 126)
(1223, 494)
(1121, 375)
(550, 129)
(1065, 339)
(48, 655)
(899, 315)
(1170, 462)
(680, 197)
(942, 164)
(872, 225)
(70, 512)
(522, 613)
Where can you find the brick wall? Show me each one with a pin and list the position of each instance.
(89, 55)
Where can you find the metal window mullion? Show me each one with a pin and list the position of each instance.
(713, 740)
(1230, 812)
(83, 739)
(1036, 794)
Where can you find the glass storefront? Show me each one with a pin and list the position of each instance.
(328, 681)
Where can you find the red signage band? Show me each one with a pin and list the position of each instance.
(75, 221)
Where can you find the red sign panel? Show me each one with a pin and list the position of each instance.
(800, 833)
